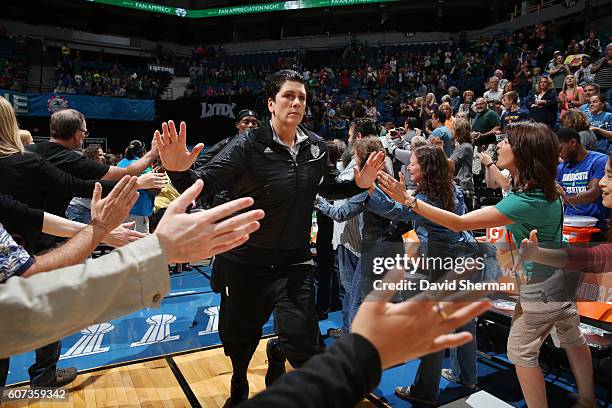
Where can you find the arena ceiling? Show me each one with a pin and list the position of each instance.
(403, 16)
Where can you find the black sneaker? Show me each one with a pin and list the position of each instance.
(239, 392)
(276, 361)
(63, 376)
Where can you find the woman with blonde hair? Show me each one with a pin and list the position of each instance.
(543, 103)
(450, 119)
(10, 141)
(571, 95)
(429, 107)
(26, 137)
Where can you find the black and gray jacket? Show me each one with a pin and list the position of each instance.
(254, 165)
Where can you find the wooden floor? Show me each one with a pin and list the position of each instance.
(153, 384)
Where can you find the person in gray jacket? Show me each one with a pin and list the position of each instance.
(131, 277)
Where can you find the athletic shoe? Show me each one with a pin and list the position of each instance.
(404, 393)
(239, 392)
(63, 376)
(276, 361)
(335, 333)
(448, 375)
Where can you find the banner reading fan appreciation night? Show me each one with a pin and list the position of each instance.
(94, 107)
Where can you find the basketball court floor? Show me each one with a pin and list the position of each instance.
(171, 357)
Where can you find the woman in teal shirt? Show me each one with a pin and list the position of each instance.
(530, 152)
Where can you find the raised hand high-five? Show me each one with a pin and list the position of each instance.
(172, 147)
(386, 325)
(367, 175)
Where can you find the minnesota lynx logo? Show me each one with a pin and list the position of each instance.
(158, 332)
(90, 342)
(217, 109)
(213, 320)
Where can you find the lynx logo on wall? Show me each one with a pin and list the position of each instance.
(209, 120)
(159, 330)
(90, 342)
(217, 109)
(213, 320)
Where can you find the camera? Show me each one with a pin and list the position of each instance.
(499, 137)
(397, 132)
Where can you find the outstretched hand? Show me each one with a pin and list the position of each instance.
(123, 235)
(191, 237)
(393, 188)
(386, 325)
(365, 177)
(110, 211)
(172, 147)
(152, 180)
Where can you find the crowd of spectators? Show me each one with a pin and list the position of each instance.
(461, 98)
(389, 83)
(76, 75)
(13, 61)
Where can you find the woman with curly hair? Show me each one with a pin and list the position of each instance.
(430, 170)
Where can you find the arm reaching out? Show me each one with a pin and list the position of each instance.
(172, 147)
(106, 215)
(482, 218)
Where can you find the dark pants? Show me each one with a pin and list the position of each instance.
(327, 270)
(427, 380)
(250, 294)
(43, 370)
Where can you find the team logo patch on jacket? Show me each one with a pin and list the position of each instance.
(315, 151)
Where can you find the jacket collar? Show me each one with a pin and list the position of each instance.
(264, 134)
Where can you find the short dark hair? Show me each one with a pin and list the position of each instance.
(410, 122)
(135, 150)
(565, 135)
(365, 126)
(440, 115)
(275, 81)
(65, 123)
(91, 151)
